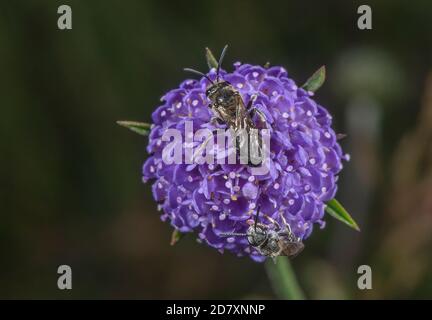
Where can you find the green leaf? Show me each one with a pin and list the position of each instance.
(336, 210)
(211, 60)
(176, 236)
(138, 127)
(316, 80)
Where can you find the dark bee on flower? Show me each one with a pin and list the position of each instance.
(271, 240)
(229, 108)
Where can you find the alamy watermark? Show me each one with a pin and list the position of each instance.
(364, 22)
(365, 279)
(64, 281)
(64, 21)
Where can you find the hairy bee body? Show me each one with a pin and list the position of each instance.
(271, 240)
(273, 243)
(229, 108)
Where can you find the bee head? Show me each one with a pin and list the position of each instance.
(221, 93)
(256, 235)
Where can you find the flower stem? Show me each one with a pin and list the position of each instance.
(283, 279)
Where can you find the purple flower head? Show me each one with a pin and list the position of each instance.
(212, 199)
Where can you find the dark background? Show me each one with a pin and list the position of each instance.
(71, 190)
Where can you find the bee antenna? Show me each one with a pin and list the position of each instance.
(198, 73)
(220, 62)
(232, 234)
(256, 217)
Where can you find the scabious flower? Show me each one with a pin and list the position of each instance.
(211, 199)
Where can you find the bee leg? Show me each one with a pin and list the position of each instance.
(287, 225)
(251, 101)
(254, 111)
(273, 221)
(216, 121)
(275, 255)
(284, 221)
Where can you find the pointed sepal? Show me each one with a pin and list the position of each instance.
(176, 236)
(211, 60)
(137, 127)
(336, 210)
(316, 80)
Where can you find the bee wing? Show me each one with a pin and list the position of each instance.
(198, 151)
(291, 248)
(241, 118)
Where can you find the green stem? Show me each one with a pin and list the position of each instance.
(283, 279)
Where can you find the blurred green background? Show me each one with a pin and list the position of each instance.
(71, 190)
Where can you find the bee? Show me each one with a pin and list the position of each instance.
(229, 108)
(271, 241)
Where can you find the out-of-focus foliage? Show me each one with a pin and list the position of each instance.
(71, 189)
